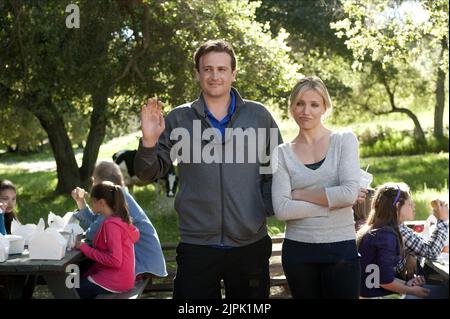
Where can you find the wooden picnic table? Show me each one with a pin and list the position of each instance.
(53, 272)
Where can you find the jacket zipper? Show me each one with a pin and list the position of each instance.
(230, 125)
(221, 203)
(203, 120)
(222, 208)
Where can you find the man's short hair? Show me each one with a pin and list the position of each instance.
(214, 46)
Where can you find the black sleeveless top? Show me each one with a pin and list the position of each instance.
(315, 166)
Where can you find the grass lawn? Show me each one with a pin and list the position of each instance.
(427, 175)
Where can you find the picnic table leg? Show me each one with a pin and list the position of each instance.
(57, 285)
(14, 286)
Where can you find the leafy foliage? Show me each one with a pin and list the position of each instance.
(78, 82)
(388, 40)
(385, 141)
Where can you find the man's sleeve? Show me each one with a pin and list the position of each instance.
(266, 184)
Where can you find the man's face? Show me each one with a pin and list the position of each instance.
(215, 74)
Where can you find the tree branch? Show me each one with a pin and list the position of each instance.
(18, 32)
(139, 52)
(389, 91)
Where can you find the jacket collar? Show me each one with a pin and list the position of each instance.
(199, 104)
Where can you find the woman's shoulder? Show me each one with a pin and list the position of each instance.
(344, 138)
(282, 151)
(343, 135)
(284, 146)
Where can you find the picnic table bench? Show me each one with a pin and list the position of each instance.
(134, 293)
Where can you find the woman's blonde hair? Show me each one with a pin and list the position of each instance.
(108, 171)
(311, 83)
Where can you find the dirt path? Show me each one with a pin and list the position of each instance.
(31, 166)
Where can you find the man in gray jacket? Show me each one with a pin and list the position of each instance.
(223, 145)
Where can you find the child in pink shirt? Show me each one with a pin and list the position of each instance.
(113, 245)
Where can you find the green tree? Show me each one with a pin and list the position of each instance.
(47, 67)
(308, 23)
(315, 45)
(388, 36)
(435, 33)
(20, 131)
(123, 53)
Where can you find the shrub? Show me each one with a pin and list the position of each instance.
(385, 141)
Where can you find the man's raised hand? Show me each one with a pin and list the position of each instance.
(152, 122)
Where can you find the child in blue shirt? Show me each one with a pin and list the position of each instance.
(8, 196)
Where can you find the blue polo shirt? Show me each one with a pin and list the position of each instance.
(221, 125)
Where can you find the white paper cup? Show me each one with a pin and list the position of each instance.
(365, 179)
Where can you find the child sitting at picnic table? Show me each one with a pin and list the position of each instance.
(380, 244)
(8, 198)
(113, 245)
(8, 195)
(148, 251)
(416, 246)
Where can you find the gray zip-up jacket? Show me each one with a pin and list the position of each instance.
(223, 201)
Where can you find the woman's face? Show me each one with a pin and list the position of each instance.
(8, 196)
(308, 109)
(407, 211)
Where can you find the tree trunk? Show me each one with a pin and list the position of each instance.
(66, 165)
(440, 96)
(96, 135)
(418, 131)
(12, 149)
